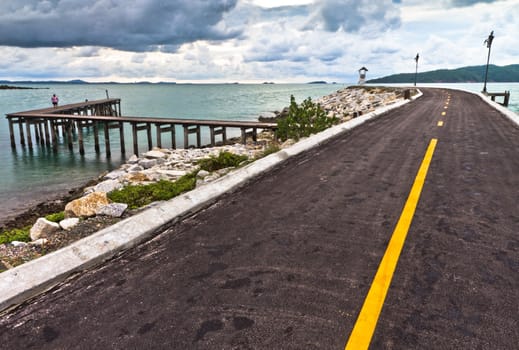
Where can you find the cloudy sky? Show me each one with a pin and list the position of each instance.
(248, 40)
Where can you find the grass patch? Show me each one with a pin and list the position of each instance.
(16, 234)
(56, 217)
(224, 159)
(137, 196)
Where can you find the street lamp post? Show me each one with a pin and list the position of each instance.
(416, 71)
(488, 41)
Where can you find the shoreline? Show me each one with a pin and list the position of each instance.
(345, 104)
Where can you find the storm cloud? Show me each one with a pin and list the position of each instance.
(130, 25)
(355, 15)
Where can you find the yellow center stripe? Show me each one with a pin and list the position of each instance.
(443, 113)
(440, 123)
(364, 328)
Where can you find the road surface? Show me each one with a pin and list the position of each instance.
(287, 261)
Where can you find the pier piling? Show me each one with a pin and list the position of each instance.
(73, 119)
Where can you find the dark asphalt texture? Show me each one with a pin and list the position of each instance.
(286, 261)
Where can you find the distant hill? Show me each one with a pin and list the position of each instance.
(473, 74)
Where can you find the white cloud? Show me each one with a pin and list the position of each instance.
(248, 40)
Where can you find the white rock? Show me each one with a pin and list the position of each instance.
(18, 244)
(172, 173)
(39, 242)
(223, 171)
(108, 186)
(115, 174)
(115, 210)
(155, 154)
(211, 177)
(148, 163)
(43, 228)
(133, 159)
(67, 224)
(134, 168)
(202, 174)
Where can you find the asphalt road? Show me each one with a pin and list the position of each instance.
(286, 261)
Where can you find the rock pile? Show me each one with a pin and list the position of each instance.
(166, 164)
(351, 102)
(155, 165)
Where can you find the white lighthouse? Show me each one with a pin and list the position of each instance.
(362, 75)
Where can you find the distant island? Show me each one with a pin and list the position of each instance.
(318, 82)
(77, 81)
(472, 74)
(9, 87)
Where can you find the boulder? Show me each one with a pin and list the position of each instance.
(134, 168)
(86, 206)
(133, 159)
(148, 163)
(172, 173)
(43, 228)
(202, 174)
(137, 178)
(154, 154)
(108, 186)
(115, 174)
(69, 223)
(115, 210)
(39, 242)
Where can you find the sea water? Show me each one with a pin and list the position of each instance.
(28, 177)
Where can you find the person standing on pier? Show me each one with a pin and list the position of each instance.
(54, 100)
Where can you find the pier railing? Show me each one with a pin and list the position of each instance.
(72, 119)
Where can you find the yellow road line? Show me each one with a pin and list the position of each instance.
(440, 123)
(443, 113)
(364, 328)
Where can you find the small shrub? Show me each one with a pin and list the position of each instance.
(56, 217)
(223, 160)
(17, 234)
(137, 196)
(304, 120)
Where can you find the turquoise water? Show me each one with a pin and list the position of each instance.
(28, 177)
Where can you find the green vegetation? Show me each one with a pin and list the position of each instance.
(17, 234)
(471, 74)
(56, 217)
(303, 120)
(137, 196)
(272, 148)
(223, 160)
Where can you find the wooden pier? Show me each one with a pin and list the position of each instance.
(505, 95)
(72, 119)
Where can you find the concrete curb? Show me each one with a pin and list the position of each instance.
(36, 276)
(508, 113)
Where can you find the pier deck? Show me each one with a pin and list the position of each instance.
(45, 125)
